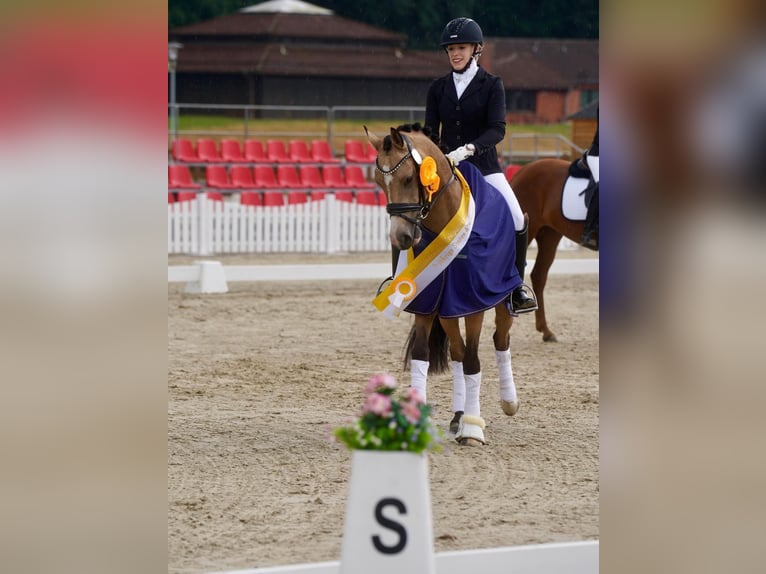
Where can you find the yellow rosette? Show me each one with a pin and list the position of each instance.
(428, 176)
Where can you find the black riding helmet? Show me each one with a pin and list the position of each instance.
(461, 31)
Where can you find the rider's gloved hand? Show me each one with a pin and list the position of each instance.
(461, 153)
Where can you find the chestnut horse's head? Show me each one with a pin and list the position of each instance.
(413, 173)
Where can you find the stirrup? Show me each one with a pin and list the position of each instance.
(525, 305)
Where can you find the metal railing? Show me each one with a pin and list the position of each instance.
(515, 148)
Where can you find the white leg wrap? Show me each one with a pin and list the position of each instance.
(472, 391)
(471, 427)
(458, 387)
(509, 401)
(418, 375)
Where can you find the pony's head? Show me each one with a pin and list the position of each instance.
(413, 172)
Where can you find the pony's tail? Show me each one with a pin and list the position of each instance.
(438, 349)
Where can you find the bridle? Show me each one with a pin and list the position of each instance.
(425, 201)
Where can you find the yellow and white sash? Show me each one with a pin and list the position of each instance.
(415, 274)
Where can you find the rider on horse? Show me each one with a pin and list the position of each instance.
(588, 164)
(468, 104)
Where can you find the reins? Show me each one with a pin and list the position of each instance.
(425, 201)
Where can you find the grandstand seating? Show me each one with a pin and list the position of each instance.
(217, 177)
(242, 177)
(207, 150)
(264, 177)
(354, 151)
(297, 197)
(251, 198)
(276, 151)
(183, 150)
(179, 177)
(511, 170)
(254, 151)
(333, 177)
(298, 150)
(321, 152)
(231, 151)
(287, 177)
(367, 197)
(271, 198)
(355, 178)
(311, 177)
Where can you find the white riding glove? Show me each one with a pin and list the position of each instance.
(459, 154)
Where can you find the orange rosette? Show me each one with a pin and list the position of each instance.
(428, 176)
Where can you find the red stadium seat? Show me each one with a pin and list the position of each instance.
(264, 177)
(366, 198)
(207, 150)
(321, 152)
(231, 151)
(190, 195)
(186, 196)
(318, 195)
(171, 197)
(355, 178)
(217, 177)
(344, 196)
(511, 170)
(298, 150)
(251, 198)
(179, 177)
(271, 198)
(183, 150)
(242, 177)
(276, 151)
(287, 177)
(333, 177)
(372, 153)
(310, 177)
(294, 197)
(254, 151)
(354, 151)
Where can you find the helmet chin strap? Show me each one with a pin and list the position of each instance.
(474, 58)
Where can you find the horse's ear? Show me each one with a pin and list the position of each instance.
(396, 137)
(374, 140)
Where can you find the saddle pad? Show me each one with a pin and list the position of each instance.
(572, 203)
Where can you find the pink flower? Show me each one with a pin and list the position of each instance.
(411, 411)
(412, 395)
(377, 404)
(379, 382)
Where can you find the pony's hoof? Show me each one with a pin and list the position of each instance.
(510, 407)
(470, 432)
(467, 441)
(454, 424)
(550, 338)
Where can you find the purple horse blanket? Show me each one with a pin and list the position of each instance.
(483, 274)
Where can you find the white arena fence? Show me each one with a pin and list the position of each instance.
(205, 226)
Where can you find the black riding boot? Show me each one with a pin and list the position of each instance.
(590, 233)
(521, 302)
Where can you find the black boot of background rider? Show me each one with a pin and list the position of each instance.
(521, 302)
(590, 234)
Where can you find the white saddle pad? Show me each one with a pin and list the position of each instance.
(572, 203)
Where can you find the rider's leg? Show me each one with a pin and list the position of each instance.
(521, 301)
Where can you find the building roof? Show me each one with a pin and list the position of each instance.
(528, 63)
(589, 112)
(286, 6)
(256, 25)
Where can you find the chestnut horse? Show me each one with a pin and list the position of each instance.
(538, 187)
(427, 194)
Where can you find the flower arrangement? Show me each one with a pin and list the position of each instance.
(389, 422)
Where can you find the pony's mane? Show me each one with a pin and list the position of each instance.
(410, 128)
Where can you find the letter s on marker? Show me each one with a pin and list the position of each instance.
(386, 523)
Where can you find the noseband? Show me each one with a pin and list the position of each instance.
(425, 202)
